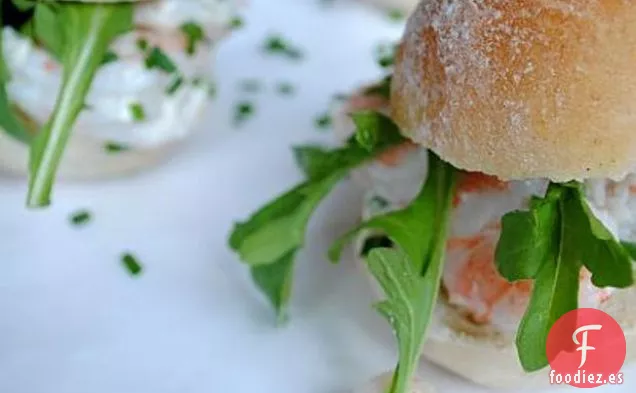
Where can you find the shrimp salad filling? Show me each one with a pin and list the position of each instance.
(470, 279)
(514, 256)
(134, 75)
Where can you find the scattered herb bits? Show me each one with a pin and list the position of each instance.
(80, 218)
(114, 147)
(250, 85)
(242, 112)
(137, 112)
(174, 85)
(285, 88)
(277, 45)
(131, 264)
(156, 58)
(323, 121)
(194, 35)
(396, 15)
(385, 55)
(236, 23)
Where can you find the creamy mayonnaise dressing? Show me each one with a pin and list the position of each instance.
(470, 275)
(36, 77)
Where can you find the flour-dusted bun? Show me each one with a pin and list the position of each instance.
(405, 6)
(488, 357)
(521, 88)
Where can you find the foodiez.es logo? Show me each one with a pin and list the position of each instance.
(586, 348)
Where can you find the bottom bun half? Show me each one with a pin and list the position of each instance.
(488, 358)
(85, 158)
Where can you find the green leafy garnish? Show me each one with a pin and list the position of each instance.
(137, 111)
(194, 35)
(550, 244)
(87, 31)
(411, 274)
(367, 127)
(80, 218)
(47, 29)
(269, 240)
(8, 120)
(131, 264)
(277, 45)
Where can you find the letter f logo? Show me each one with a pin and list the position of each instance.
(583, 346)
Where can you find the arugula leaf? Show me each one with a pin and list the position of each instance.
(269, 240)
(550, 244)
(411, 226)
(48, 29)
(411, 274)
(24, 5)
(275, 281)
(367, 126)
(630, 247)
(88, 30)
(8, 120)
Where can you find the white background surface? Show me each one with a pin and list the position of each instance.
(73, 321)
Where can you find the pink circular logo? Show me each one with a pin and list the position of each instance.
(586, 348)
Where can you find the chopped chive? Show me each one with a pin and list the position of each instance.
(243, 111)
(197, 81)
(137, 112)
(156, 58)
(194, 34)
(323, 121)
(276, 45)
(212, 89)
(385, 55)
(250, 85)
(286, 88)
(174, 85)
(142, 44)
(80, 218)
(236, 23)
(379, 202)
(396, 15)
(131, 263)
(114, 147)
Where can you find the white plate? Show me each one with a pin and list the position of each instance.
(73, 321)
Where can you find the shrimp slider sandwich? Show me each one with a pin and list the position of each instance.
(101, 89)
(498, 159)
